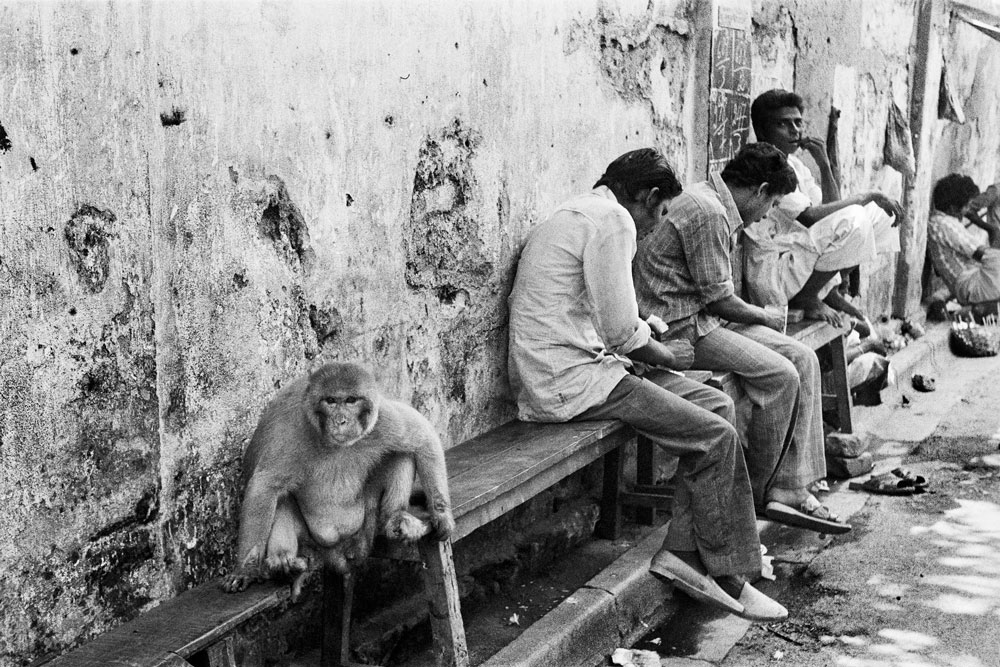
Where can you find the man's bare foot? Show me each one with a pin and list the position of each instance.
(791, 497)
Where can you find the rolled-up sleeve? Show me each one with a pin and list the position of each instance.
(607, 262)
(706, 247)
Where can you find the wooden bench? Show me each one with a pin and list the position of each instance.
(814, 334)
(488, 476)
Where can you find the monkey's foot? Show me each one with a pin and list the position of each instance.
(405, 526)
(286, 564)
(237, 581)
(443, 524)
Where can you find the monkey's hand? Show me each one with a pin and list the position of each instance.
(239, 580)
(248, 571)
(442, 524)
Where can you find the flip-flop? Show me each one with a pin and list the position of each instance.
(919, 482)
(886, 484)
(811, 516)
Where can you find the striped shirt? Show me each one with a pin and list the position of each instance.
(686, 263)
(951, 246)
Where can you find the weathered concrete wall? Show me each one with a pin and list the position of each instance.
(853, 55)
(203, 200)
(973, 64)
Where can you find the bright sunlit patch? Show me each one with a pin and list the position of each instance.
(892, 590)
(950, 603)
(853, 641)
(979, 586)
(965, 661)
(888, 650)
(957, 561)
(916, 640)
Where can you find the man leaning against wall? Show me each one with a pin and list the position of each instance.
(575, 332)
(683, 274)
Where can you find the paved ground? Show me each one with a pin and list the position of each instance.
(917, 582)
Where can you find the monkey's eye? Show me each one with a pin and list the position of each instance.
(330, 400)
(351, 400)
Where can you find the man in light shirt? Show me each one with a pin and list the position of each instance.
(794, 255)
(575, 332)
(968, 260)
(683, 274)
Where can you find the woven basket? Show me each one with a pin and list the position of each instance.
(971, 340)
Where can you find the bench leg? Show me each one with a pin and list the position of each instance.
(609, 524)
(223, 653)
(338, 597)
(645, 463)
(843, 391)
(441, 585)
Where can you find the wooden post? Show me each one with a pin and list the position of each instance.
(841, 387)
(441, 584)
(645, 464)
(926, 80)
(338, 598)
(609, 524)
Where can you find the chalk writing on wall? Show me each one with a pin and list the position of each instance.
(729, 96)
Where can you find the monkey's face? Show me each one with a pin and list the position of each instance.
(342, 400)
(345, 418)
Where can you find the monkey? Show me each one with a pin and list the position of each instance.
(331, 463)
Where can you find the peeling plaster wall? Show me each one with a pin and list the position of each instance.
(973, 147)
(201, 201)
(854, 55)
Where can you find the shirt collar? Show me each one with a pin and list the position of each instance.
(604, 191)
(733, 217)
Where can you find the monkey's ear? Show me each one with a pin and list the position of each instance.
(369, 414)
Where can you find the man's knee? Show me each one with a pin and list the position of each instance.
(803, 359)
(720, 404)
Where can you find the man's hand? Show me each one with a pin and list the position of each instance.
(682, 353)
(890, 206)
(774, 320)
(817, 149)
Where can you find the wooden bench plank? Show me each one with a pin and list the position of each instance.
(493, 447)
(184, 625)
(813, 333)
(487, 497)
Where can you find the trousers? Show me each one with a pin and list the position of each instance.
(713, 510)
(781, 379)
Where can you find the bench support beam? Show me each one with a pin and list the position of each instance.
(609, 525)
(338, 597)
(449, 648)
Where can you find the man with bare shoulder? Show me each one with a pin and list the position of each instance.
(683, 274)
(795, 254)
(575, 332)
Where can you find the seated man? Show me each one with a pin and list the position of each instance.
(795, 254)
(682, 271)
(967, 262)
(574, 329)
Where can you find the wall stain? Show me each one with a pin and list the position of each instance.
(443, 246)
(283, 225)
(87, 234)
(5, 144)
(174, 117)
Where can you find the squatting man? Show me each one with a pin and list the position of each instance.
(794, 256)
